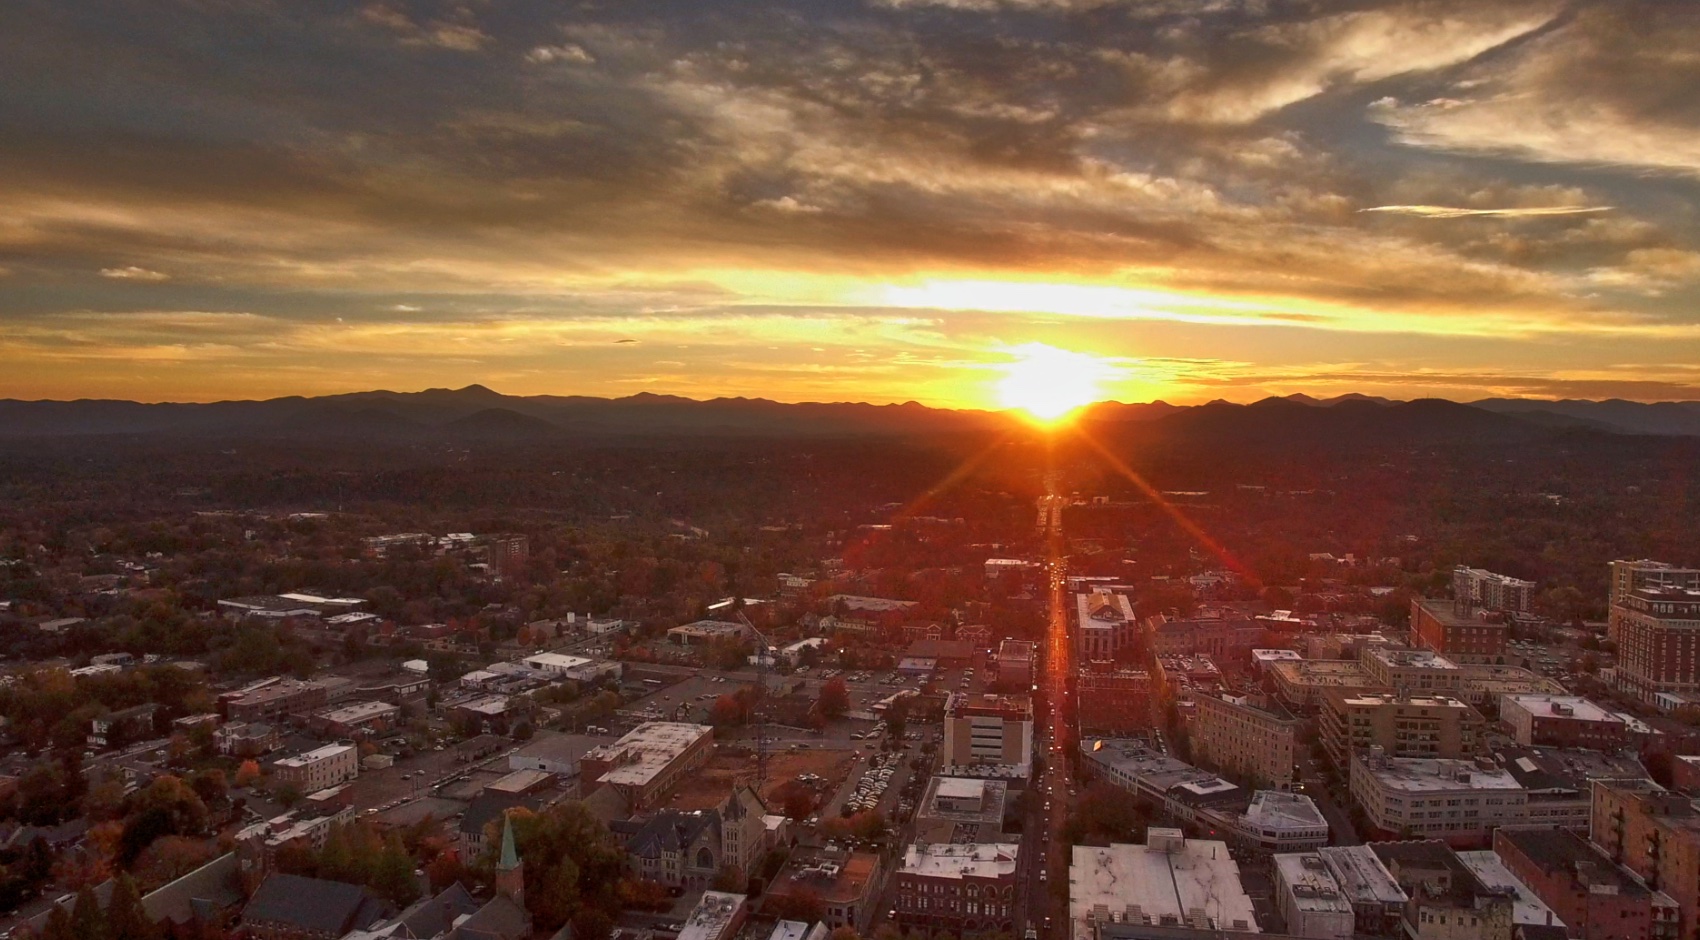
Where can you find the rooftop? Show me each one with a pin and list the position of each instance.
(317, 754)
(961, 861)
(712, 915)
(1560, 850)
(359, 711)
(558, 661)
(1573, 707)
(1275, 809)
(1526, 906)
(1330, 672)
(1408, 659)
(1176, 882)
(1434, 774)
(1313, 886)
(646, 750)
(1361, 875)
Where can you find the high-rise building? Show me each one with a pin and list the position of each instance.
(1474, 588)
(1655, 622)
(1655, 834)
(1245, 737)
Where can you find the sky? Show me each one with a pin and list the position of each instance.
(873, 200)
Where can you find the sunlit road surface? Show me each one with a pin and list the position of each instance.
(1049, 912)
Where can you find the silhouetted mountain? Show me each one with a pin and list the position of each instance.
(1632, 417)
(1284, 424)
(500, 424)
(1109, 411)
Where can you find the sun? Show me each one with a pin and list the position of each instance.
(1048, 383)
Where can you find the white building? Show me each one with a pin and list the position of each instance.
(1458, 801)
(717, 916)
(1310, 899)
(1377, 901)
(319, 768)
(1277, 821)
(1105, 622)
(1170, 881)
(577, 668)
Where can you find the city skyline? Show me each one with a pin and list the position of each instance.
(878, 201)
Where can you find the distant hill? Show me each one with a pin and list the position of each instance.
(1629, 417)
(477, 413)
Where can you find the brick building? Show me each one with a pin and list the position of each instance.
(1596, 899)
(964, 889)
(1562, 721)
(1655, 834)
(1655, 622)
(1113, 699)
(1441, 626)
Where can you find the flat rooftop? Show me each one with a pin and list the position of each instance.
(1361, 875)
(316, 754)
(1274, 809)
(955, 862)
(646, 750)
(1526, 906)
(1563, 707)
(1313, 886)
(712, 915)
(1437, 774)
(1197, 877)
(1409, 659)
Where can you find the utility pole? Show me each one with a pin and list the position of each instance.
(764, 651)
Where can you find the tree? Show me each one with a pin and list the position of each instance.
(801, 903)
(393, 875)
(287, 794)
(58, 925)
(730, 878)
(87, 921)
(845, 932)
(247, 773)
(834, 698)
(125, 919)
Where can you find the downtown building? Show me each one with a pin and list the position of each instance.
(964, 889)
(1655, 622)
(1477, 589)
(1655, 834)
(1452, 629)
(1104, 623)
(1245, 737)
(1431, 725)
(988, 729)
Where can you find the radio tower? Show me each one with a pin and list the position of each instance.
(758, 709)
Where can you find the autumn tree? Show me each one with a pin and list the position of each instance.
(834, 698)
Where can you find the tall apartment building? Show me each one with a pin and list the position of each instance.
(1474, 588)
(1245, 737)
(1562, 721)
(1458, 634)
(988, 729)
(1113, 699)
(1655, 622)
(1401, 725)
(1596, 898)
(1655, 834)
(1104, 622)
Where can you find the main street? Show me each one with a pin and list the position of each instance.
(1046, 907)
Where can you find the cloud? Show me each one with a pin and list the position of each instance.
(131, 272)
(566, 52)
(1454, 212)
(788, 204)
(1611, 87)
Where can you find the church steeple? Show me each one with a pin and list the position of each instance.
(510, 871)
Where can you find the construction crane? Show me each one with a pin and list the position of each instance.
(765, 652)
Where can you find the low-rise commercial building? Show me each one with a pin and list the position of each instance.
(1301, 685)
(1015, 663)
(648, 761)
(703, 632)
(1562, 721)
(1170, 881)
(273, 699)
(845, 882)
(1310, 900)
(361, 717)
(965, 889)
(719, 915)
(575, 668)
(1558, 781)
(1277, 821)
(1455, 801)
(319, 768)
(1378, 903)
(1447, 900)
